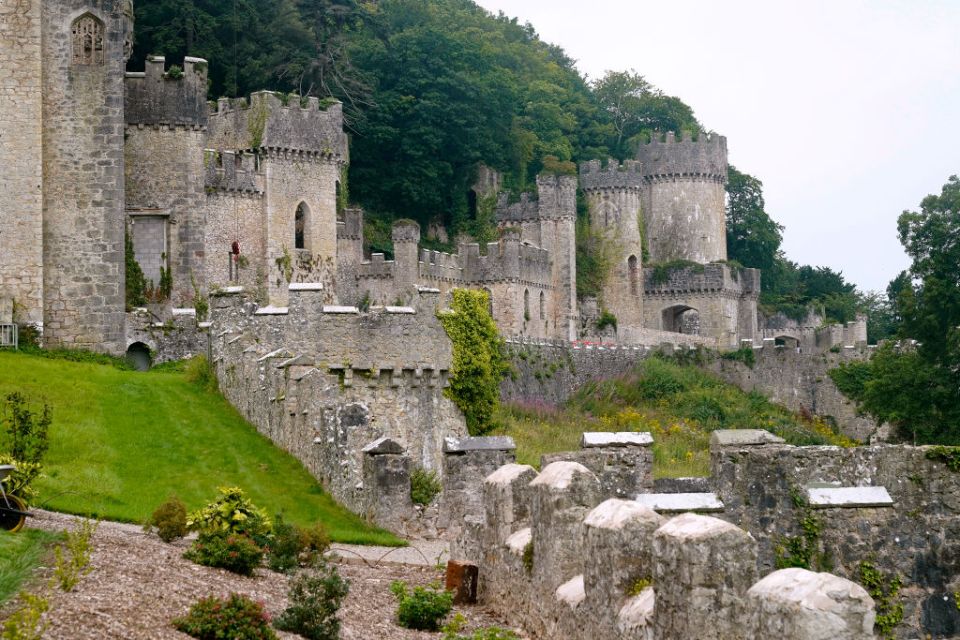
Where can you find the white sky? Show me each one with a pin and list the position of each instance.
(847, 110)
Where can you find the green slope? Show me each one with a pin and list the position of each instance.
(123, 441)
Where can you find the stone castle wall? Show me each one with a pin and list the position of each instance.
(562, 559)
(323, 382)
(21, 155)
(83, 178)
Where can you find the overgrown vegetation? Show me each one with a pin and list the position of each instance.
(26, 622)
(452, 631)
(803, 550)
(884, 589)
(136, 283)
(291, 546)
(422, 608)
(20, 554)
(236, 617)
(606, 319)
(743, 354)
(94, 466)
(663, 270)
(949, 456)
(424, 486)
(679, 404)
(527, 557)
(596, 255)
(72, 558)
(478, 359)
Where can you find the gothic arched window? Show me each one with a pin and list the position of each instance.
(632, 267)
(300, 226)
(87, 38)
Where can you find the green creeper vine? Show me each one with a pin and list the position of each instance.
(804, 549)
(883, 588)
(479, 363)
(527, 558)
(949, 456)
(257, 124)
(285, 264)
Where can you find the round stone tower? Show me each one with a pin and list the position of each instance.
(614, 196)
(684, 202)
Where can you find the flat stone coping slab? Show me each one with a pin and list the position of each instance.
(518, 541)
(184, 311)
(743, 438)
(305, 286)
(680, 502)
(571, 592)
(402, 310)
(384, 445)
(620, 439)
(637, 613)
(481, 443)
(336, 309)
(849, 497)
(271, 310)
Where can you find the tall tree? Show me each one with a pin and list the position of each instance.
(753, 238)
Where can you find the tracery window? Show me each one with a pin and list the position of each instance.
(87, 33)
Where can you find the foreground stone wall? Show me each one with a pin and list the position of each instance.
(324, 382)
(800, 382)
(560, 561)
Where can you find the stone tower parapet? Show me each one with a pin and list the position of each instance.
(684, 204)
(629, 175)
(276, 123)
(156, 97)
(232, 171)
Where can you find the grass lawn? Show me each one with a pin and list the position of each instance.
(124, 441)
(678, 404)
(20, 554)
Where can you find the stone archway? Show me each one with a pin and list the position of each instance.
(681, 318)
(139, 356)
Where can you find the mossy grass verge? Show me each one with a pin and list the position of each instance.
(20, 554)
(123, 441)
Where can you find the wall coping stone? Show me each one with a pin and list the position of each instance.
(339, 309)
(615, 513)
(305, 286)
(849, 497)
(228, 291)
(507, 474)
(692, 526)
(807, 589)
(271, 310)
(560, 475)
(571, 592)
(382, 446)
(743, 438)
(405, 310)
(620, 439)
(518, 541)
(481, 443)
(681, 502)
(184, 311)
(205, 325)
(278, 353)
(637, 612)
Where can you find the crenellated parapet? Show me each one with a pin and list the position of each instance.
(594, 176)
(527, 208)
(232, 171)
(668, 157)
(714, 277)
(156, 96)
(555, 199)
(284, 126)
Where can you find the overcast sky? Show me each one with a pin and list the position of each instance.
(848, 111)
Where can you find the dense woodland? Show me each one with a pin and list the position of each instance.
(431, 88)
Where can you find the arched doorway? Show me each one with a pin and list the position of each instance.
(681, 318)
(139, 357)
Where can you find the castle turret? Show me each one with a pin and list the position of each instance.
(84, 52)
(406, 255)
(614, 196)
(684, 202)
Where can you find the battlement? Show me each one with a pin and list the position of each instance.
(628, 175)
(526, 209)
(232, 171)
(351, 227)
(669, 156)
(556, 199)
(508, 259)
(156, 96)
(682, 278)
(405, 231)
(275, 122)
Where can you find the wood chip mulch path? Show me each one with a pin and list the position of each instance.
(139, 584)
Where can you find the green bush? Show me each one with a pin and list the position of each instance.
(169, 520)
(28, 430)
(424, 486)
(479, 363)
(423, 608)
(236, 617)
(451, 631)
(315, 597)
(605, 320)
(234, 552)
(231, 512)
(743, 354)
(851, 378)
(20, 479)
(291, 546)
(136, 284)
(26, 623)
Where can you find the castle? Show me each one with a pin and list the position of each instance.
(247, 193)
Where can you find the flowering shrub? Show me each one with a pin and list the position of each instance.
(236, 617)
(234, 552)
(231, 512)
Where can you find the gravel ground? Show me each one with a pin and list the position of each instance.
(139, 583)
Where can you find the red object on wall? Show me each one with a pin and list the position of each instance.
(235, 247)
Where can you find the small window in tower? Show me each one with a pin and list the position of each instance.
(543, 306)
(87, 37)
(634, 275)
(526, 304)
(300, 226)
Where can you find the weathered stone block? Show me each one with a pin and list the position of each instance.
(796, 604)
(742, 438)
(849, 497)
(703, 568)
(461, 578)
(681, 502)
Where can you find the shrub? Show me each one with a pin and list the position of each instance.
(236, 617)
(231, 512)
(451, 631)
(28, 430)
(170, 520)
(291, 546)
(25, 622)
(19, 481)
(479, 363)
(605, 320)
(527, 557)
(315, 597)
(423, 608)
(424, 486)
(743, 354)
(234, 552)
(72, 558)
